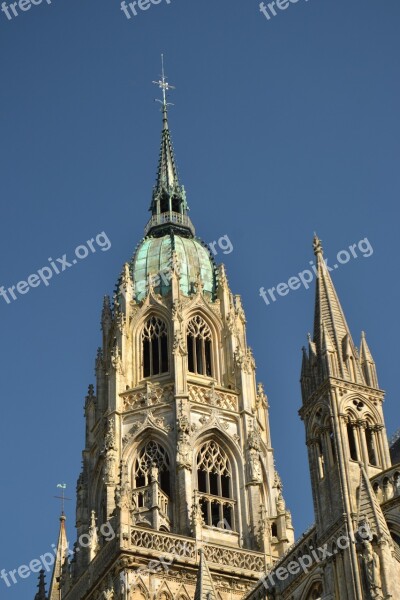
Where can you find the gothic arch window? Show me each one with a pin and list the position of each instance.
(351, 438)
(332, 443)
(316, 592)
(152, 461)
(214, 480)
(321, 459)
(155, 347)
(371, 445)
(199, 347)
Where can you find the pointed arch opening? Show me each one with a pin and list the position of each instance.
(351, 439)
(214, 486)
(151, 479)
(152, 462)
(155, 347)
(315, 593)
(199, 347)
(371, 445)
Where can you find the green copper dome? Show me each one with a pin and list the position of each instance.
(153, 259)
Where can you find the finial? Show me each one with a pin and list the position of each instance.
(165, 87)
(317, 245)
(63, 487)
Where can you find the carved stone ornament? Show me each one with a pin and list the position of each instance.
(196, 515)
(255, 472)
(214, 419)
(123, 491)
(280, 504)
(261, 397)
(254, 438)
(116, 360)
(151, 420)
(179, 346)
(372, 567)
(245, 360)
(184, 456)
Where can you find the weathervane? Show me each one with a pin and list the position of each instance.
(164, 86)
(62, 497)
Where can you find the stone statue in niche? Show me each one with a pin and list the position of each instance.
(109, 452)
(154, 473)
(184, 457)
(372, 567)
(255, 466)
(280, 504)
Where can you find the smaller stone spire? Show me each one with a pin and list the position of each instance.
(331, 332)
(41, 593)
(369, 510)
(205, 589)
(368, 363)
(61, 557)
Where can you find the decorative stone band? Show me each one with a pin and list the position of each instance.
(213, 397)
(186, 548)
(148, 395)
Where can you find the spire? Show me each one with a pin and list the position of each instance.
(331, 332)
(168, 207)
(205, 589)
(41, 593)
(167, 174)
(61, 557)
(369, 510)
(368, 363)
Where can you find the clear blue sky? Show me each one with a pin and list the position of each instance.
(280, 127)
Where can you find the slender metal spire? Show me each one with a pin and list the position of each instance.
(167, 174)
(164, 86)
(168, 207)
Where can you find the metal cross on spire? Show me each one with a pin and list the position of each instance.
(63, 487)
(164, 86)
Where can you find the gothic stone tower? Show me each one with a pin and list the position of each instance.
(178, 456)
(347, 447)
(353, 550)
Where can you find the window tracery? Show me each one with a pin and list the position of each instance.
(155, 347)
(214, 478)
(152, 462)
(199, 346)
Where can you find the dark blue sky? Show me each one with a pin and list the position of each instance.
(280, 127)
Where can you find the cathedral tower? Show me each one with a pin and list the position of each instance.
(178, 496)
(347, 446)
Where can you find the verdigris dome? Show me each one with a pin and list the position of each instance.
(153, 259)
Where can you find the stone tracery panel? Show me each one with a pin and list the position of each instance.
(148, 395)
(213, 397)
